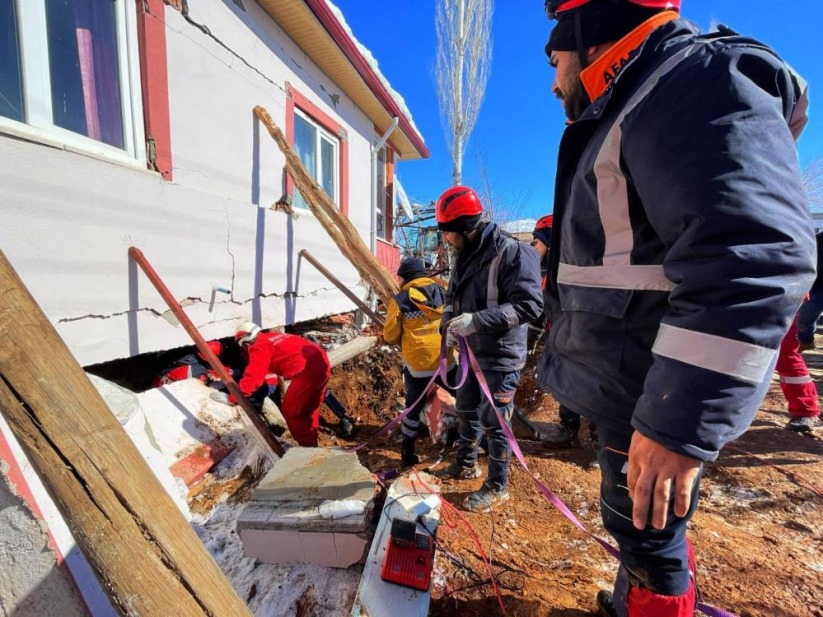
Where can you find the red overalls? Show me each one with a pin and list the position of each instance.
(795, 381)
(305, 364)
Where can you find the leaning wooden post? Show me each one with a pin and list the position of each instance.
(141, 548)
(264, 436)
(341, 230)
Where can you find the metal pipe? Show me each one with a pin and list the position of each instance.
(346, 291)
(269, 441)
(374, 150)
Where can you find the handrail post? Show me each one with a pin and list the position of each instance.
(346, 291)
(270, 442)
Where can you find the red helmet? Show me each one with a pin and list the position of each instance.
(544, 222)
(543, 229)
(216, 348)
(458, 209)
(555, 7)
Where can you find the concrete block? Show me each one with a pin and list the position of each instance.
(314, 475)
(350, 548)
(272, 546)
(318, 548)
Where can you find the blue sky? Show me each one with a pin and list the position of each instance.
(520, 122)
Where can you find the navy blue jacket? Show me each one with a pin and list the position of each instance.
(682, 245)
(498, 280)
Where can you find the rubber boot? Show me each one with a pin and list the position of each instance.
(407, 456)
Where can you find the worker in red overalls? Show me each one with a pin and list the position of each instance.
(190, 366)
(290, 357)
(797, 385)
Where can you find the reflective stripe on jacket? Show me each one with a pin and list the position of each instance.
(682, 241)
(498, 280)
(413, 320)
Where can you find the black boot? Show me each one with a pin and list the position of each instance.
(407, 456)
(605, 604)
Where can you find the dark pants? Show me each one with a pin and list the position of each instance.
(651, 558)
(478, 417)
(414, 389)
(569, 419)
(808, 316)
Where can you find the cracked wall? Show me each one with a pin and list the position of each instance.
(76, 215)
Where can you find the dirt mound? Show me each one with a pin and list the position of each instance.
(758, 533)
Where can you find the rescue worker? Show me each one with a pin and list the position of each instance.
(682, 248)
(190, 366)
(494, 292)
(413, 320)
(811, 310)
(797, 385)
(290, 357)
(565, 433)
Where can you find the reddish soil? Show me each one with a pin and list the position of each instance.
(758, 532)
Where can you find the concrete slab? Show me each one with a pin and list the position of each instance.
(314, 475)
(282, 523)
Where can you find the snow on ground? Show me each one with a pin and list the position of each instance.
(178, 418)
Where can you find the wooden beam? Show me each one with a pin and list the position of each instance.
(351, 349)
(341, 230)
(141, 548)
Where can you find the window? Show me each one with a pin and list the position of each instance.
(380, 182)
(317, 149)
(69, 73)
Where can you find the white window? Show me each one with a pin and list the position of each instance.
(380, 181)
(318, 151)
(70, 74)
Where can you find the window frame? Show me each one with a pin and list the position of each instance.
(321, 134)
(297, 102)
(385, 194)
(38, 124)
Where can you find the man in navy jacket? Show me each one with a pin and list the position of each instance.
(682, 249)
(494, 293)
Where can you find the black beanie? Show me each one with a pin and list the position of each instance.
(411, 268)
(462, 224)
(601, 22)
(544, 234)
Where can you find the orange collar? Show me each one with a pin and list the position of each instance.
(597, 76)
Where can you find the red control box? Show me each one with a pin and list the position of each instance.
(409, 556)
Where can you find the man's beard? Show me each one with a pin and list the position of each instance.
(575, 97)
(576, 100)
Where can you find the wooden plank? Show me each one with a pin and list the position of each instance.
(351, 349)
(140, 547)
(375, 597)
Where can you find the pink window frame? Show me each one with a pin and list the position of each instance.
(296, 99)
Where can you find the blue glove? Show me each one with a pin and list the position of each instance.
(462, 325)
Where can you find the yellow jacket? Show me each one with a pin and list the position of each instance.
(413, 320)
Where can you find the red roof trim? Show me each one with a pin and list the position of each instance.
(325, 16)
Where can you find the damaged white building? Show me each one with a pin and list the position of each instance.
(130, 123)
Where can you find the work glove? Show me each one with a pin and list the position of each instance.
(462, 325)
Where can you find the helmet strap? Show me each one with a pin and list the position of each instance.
(578, 39)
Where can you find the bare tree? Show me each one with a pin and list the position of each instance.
(464, 54)
(501, 207)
